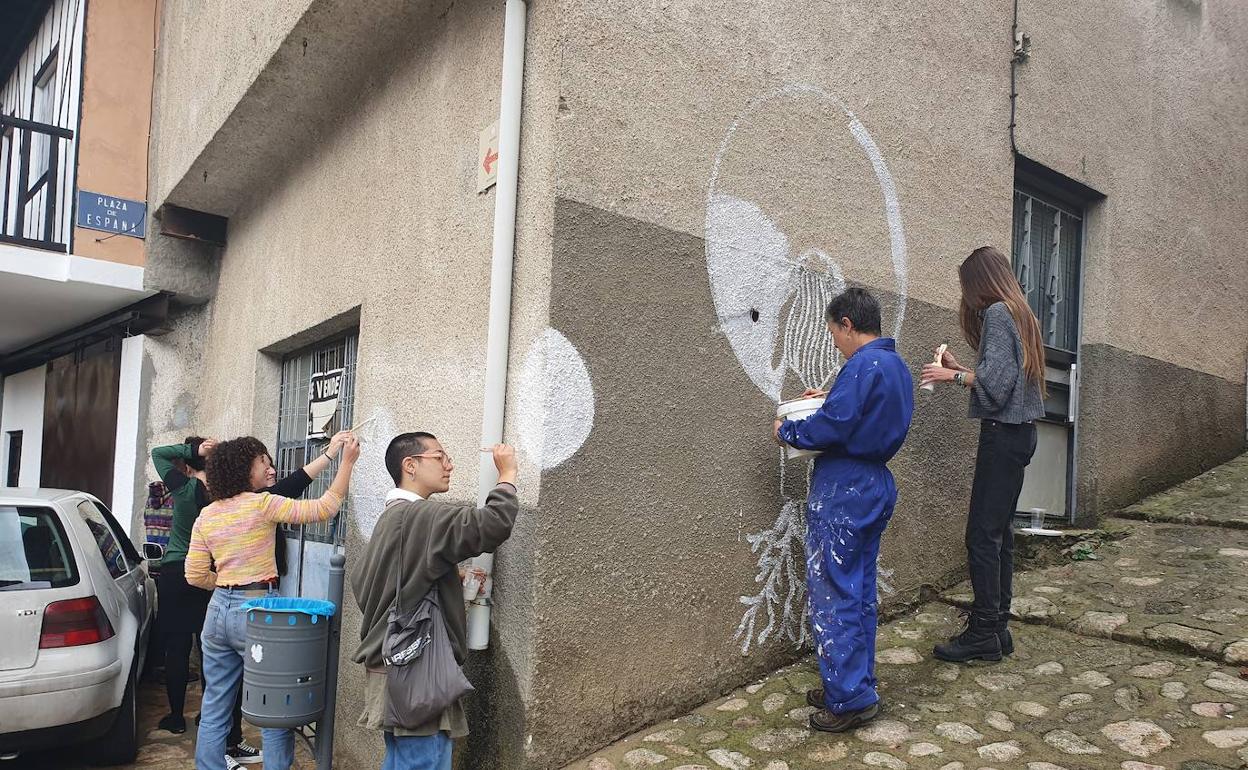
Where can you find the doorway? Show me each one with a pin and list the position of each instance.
(80, 419)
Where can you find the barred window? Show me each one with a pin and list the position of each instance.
(1048, 238)
(294, 448)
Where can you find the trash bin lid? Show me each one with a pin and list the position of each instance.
(319, 607)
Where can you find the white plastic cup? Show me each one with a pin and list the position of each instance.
(798, 409)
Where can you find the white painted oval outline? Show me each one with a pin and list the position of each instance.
(892, 208)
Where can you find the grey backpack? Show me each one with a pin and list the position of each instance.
(423, 678)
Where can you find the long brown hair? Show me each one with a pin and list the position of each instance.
(986, 279)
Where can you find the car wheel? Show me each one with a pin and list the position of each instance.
(120, 745)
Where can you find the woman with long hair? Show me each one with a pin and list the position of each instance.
(1007, 396)
(235, 534)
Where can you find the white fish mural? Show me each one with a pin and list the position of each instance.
(756, 272)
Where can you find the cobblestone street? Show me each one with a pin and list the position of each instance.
(1128, 658)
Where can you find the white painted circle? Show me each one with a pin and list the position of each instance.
(555, 402)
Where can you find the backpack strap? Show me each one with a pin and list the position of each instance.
(432, 594)
(398, 573)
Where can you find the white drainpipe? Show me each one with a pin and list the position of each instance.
(499, 335)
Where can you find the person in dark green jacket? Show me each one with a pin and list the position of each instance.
(184, 606)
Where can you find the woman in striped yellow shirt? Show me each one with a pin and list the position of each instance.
(236, 535)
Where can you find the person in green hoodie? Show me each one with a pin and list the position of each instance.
(184, 606)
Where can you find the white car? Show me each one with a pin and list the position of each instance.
(76, 609)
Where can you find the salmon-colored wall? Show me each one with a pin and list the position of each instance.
(116, 113)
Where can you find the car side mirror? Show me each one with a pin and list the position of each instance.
(153, 551)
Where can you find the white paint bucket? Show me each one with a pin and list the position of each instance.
(798, 409)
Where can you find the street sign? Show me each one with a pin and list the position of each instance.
(112, 214)
(487, 157)
(323, 390)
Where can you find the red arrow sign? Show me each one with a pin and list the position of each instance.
(491, 157)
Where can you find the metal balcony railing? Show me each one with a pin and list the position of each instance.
(32, 174)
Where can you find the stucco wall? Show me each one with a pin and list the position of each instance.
(678, 160)
(1148, 424)
(651, 93)
(1145, 102)
(209, 55)
(703, 149)
(169, 392)
(381, 219)
(647, 531)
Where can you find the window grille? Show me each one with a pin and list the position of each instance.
(294, 449)
(1048, 240)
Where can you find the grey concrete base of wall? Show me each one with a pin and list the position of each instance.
(1146, 424)
(496, 715)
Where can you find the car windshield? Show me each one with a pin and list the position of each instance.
(34, 550)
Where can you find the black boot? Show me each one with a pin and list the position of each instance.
(815, 698)
(1005, 638)
(978, 641)
(826, 721)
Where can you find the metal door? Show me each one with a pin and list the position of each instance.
(80, 420)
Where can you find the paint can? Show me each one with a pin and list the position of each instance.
(479, 624)
(798, 409)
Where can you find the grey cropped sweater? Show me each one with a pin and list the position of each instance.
(1001, 390)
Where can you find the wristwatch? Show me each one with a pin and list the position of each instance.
(960, 378)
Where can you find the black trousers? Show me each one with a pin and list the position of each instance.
(1005, 450)
(182, 611)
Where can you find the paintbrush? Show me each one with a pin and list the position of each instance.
(938, 359)
(359, 425)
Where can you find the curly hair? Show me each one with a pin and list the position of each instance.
(229, 466)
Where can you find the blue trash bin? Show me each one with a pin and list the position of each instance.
(284, 661)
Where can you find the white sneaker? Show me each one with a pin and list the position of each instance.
(231, 763)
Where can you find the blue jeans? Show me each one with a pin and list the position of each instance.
(418, 752)
(223, 641)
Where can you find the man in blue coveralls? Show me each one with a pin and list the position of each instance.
(859, 428)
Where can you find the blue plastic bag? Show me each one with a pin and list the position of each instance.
(315, 607)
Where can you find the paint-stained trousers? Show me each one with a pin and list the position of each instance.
(849, 507)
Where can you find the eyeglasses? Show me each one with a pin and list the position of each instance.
(439, 455)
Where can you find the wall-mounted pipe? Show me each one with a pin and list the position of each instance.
(499, 335)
